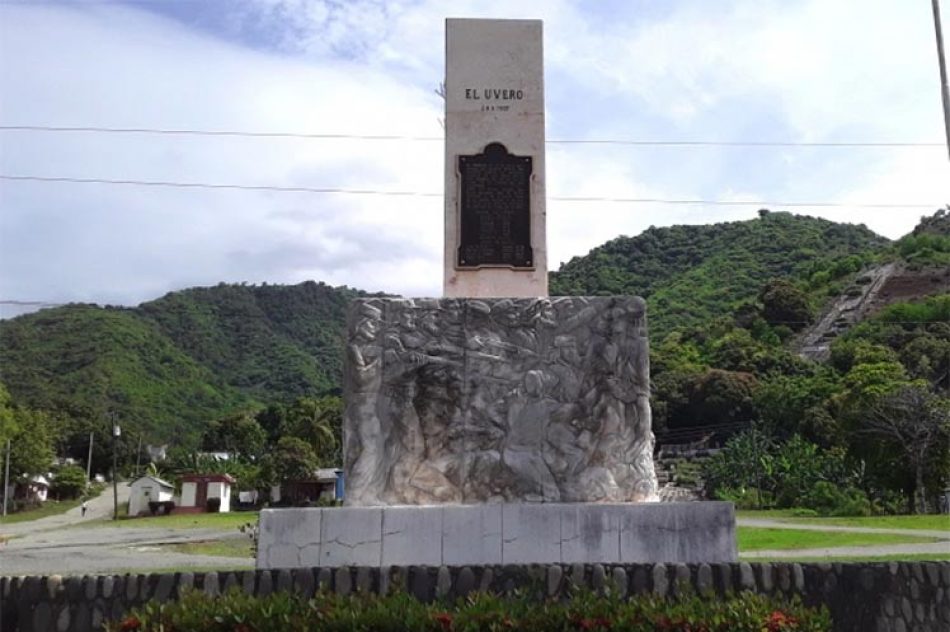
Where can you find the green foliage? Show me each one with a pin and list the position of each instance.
(692, 274)
(755, 470)
(319, 423)
(790, 404)
(718, 397)
(197, 612)
(108, 359)
(929, 244)
(828, 499)
(932, 309)
(784, 304)
(171, 366)
(69, 482)
(291, 459)
(31, 447)
(239, 435)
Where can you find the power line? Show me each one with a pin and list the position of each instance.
(398, 137)
(31, 303)
(207, 185)
(392, 193)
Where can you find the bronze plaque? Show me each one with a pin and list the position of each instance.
(495, 216)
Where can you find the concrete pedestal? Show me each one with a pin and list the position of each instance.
(489, 534)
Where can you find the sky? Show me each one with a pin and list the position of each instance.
(787, 71)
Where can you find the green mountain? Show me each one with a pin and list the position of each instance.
(693, 274)
(170, 366)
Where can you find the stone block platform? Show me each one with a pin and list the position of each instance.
(498, 534)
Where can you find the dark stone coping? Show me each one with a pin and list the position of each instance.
(860, 596)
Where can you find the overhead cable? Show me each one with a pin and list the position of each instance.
(398, 137)
(397, 193)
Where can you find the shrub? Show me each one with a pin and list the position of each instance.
(830, 500)
(745, 497)
(197, 612)
(785, 473)
(69, 482)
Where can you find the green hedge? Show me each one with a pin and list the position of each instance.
(237, 612)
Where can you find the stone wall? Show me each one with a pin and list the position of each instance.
(865, 597)
(525, 533)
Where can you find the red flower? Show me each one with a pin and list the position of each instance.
(129, 624)
(778, 620)
(444, 619)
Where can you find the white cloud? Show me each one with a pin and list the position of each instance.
(815, 70)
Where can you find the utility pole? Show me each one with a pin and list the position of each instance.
(944, 90)
(6, 479)
(115, 465)
(138, 456)
(89, 460)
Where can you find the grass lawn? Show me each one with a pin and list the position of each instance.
(231, 520)
(232, 547)
(49, 508)
(932, 522)
(756, 539)
(911, 557)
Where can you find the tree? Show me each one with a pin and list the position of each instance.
(785, 304)
(239, 435)
(69, 482)
(31, 448)
(318, 422)
(8, 425)
(291, 459)
(915, 424)
(722, 397)
(788, 404)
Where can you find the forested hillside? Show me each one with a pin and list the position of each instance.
(692, 274)
(727, 302)
(171, 366)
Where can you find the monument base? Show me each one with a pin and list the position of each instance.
(488, 534)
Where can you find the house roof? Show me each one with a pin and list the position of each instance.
(325, 474)
(209, 478)
(39, 479)
(161, 482)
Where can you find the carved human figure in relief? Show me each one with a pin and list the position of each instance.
(568, 442)
(528, 414)
(626, 438)
(405, 447)
(366, 437)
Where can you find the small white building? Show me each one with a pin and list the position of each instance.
(148, 489)
(198, 489)
(34, 489)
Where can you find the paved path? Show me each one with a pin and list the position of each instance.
(921, 548)
(96, 509)
(56, 545)
(111, 549)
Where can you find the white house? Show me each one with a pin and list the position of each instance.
(148, 489)
(34, 489)
(198, 489)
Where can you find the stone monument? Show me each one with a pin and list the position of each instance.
(494, 159)
(497, 425)
(498, 400)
